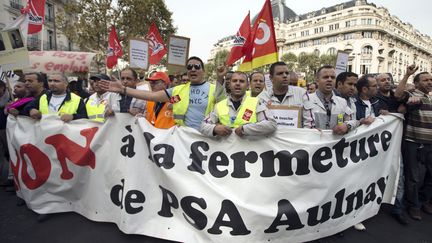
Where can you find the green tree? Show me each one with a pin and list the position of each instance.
(87, 22)
(308, 63)
(218, 60)
(328, 59)
(290, 59)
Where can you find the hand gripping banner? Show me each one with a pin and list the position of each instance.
(296, 185)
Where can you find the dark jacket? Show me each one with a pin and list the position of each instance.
(80, 113)
(388, 103)
(361, 107)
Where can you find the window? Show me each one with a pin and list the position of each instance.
(347, 23)
(331, 27)
(332, 51)
(336, 26)
(50, 40)
(367, 50)
(316, 42)
(349, 36)
(49, 12)
(367, 34)
(303, 44)
(316, 52)
(332, 39)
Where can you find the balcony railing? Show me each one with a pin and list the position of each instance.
(49, 18)
(49, 46)
(33, 44)
(15, 5)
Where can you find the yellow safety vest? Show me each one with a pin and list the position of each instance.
(69, 106)
(246, 113)
(95, 112)
(180, 106)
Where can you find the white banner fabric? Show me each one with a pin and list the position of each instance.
(296, 185)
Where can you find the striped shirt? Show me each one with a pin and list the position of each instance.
(419, 119)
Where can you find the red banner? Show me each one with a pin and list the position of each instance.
(35, 11)
(114, 49)
(264, 49)
(240, 46)
(156, 44)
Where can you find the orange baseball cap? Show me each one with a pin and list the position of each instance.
(159, 76)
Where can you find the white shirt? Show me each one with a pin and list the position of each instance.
(55, 103)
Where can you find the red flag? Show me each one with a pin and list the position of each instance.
(240, 46)
(35, 11)
(114, 49)
(157, 47)
(263, 42)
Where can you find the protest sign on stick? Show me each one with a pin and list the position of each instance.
(139, 53)
(178, 53)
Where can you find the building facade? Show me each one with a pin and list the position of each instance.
(50, 38)
(375, 40)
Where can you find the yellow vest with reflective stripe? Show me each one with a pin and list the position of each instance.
(246, 113)
(95, 112)
(69, 106)
(180, 108)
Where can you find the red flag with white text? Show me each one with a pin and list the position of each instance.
(35, 11)
(156, 44)
(263, 49)
(240, 46)
(114, 49)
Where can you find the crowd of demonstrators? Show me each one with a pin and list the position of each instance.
(340, 104)
(240, 112)
(191, 102)
(59, 100)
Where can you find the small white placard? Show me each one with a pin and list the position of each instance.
(139, 53)
(287, 116)
(178, 50)
(341, 62)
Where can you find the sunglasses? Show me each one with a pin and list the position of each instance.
(196, 66)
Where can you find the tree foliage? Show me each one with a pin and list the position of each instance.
(210, 67)
(87, 23)
(290, 59)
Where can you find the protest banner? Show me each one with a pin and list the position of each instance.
(139, 53)
(341, 62)
(178, 53)
(13, 51)
(60, 61)
(294, 186)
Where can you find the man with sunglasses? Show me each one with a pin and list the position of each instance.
(283, 98)
(191, 101)
(159, 114)
(240, 113)
(323, 109)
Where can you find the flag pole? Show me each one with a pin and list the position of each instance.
(42, 35)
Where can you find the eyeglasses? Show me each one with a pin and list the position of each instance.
(196, 66)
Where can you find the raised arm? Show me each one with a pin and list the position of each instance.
(400, 90)
(117, 87)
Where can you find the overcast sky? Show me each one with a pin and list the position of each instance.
(207, 21)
